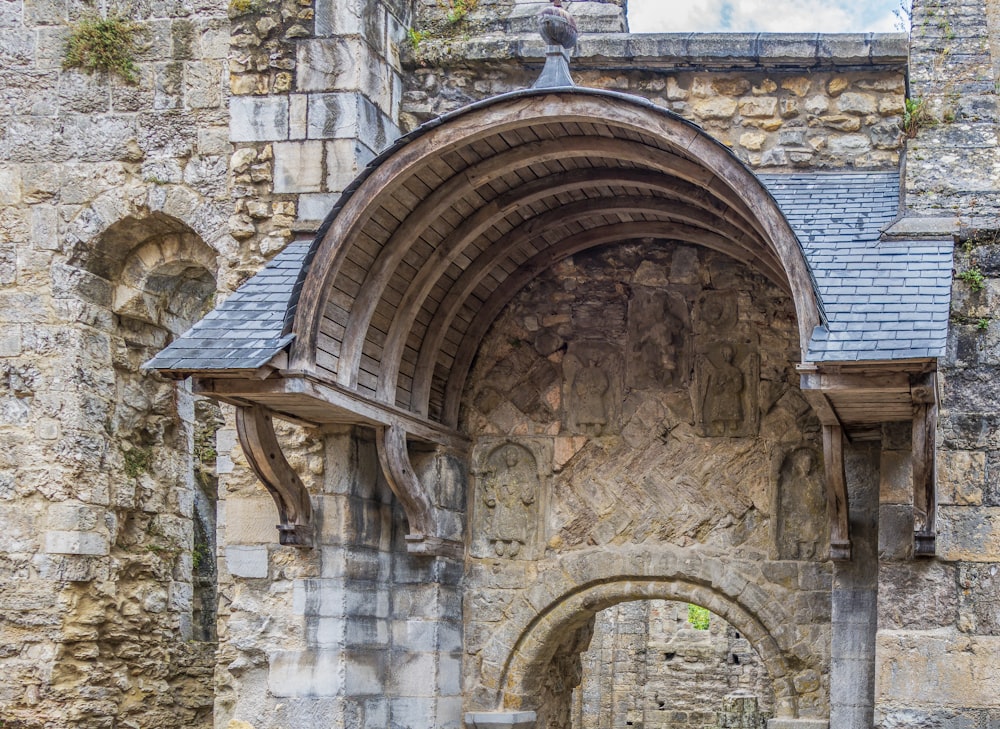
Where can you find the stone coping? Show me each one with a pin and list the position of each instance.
(683, 51)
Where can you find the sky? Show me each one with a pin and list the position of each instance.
(765, 16)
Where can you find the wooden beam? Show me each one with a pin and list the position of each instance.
(260, 444)
(925, 465)
(328, 403)
(427, 528)
(837, 505)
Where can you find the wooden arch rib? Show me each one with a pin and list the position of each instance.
(478, 177)
(689, 221)
(672, 181)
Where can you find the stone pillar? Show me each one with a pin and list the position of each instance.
(855, 598)
(740, 711)
(501, 720)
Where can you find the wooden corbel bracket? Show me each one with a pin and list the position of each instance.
(260, 444)
(836, 493)
(925, 465)
(427, 527)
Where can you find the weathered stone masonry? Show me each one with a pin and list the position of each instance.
(128, 212)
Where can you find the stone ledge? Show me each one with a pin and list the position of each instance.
(501, 720)
(798, 724)
(687, 51)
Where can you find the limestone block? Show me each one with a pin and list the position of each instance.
(10, 341)
(203, 85)
(253, 119)
(896, 474)
(298, 105)
(961, 477)
(68, 516)
(917, 669)
(715, 108)
(298, 167)
(249, 562)
(339, 17)
(364, 672)
(969, 533)
(917, 595)
(250, 520)
(857, 103)
(501, 720)
(345, 158)
(306, 673)
(797, 724)
(410, 674)
(764, 106)
(72, 542)
(10, 185)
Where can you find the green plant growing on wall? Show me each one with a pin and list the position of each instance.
(915, 117)
(699, 617)
(974, 277)
(416, 37)
(983, 324)
(137, 461)
(458, 9)
(103, 44)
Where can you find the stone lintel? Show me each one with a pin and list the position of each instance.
(697, 51)
(503, 720)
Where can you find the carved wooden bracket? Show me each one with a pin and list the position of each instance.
(924, 465)
(427, 533)
(836, 493)
(260, 444)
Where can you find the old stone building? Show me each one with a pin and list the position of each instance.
(519, 342)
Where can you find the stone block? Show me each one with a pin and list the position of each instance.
(345, 158)
(250, 520)
(253, 119)
(71, 517)
(501, 720)
(961, 477)
(917, 595)
(10, 341)
(298, 105)
(10, 185)
(306, 673)
(249, 562)
(896, 477)
(895, 532)
(364, 672)
(338, 17)
(313, 208)
(72, 542)
(967, 533)
(298, 167)
(411, 674)
(798, 724)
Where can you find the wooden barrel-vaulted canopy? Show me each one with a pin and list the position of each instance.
(423, 253)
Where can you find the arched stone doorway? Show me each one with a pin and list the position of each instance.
(412, 316)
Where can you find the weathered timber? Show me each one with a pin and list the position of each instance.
(837, 504)
(260, 444)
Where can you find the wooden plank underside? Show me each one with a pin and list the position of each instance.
(303, 398)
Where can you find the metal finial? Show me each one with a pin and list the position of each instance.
(558, 30)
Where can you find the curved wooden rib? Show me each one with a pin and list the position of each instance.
(444, 197)
(260, 444)
(428, 530)
(543, 260)
(728, 178)
(425, 281)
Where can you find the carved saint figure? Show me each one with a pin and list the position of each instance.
(590, 388)
(722, 394)
(510, 486)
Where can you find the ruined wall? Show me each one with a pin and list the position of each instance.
(648, 666)
(783, 102)
(642, 394)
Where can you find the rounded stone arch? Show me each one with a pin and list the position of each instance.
(128, 210)
(426, 248)
(572, 589)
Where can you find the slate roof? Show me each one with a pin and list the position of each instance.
(244, 331)
(884, 300)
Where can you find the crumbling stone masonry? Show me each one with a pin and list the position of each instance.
(560, 353)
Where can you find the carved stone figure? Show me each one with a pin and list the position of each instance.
(800, 516)
(509, 493)
(722, 394)
(725, 397)
(590, 390)
(658, 351)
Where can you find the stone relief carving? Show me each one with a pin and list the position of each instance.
(657, 341)
(725, 396)
(592, 374)
(800, 517)
(509, 491)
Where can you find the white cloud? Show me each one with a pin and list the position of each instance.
(765, 16)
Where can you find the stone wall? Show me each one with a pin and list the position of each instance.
(642, 395)
(648, 667)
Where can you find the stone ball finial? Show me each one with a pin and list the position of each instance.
(557, 26)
